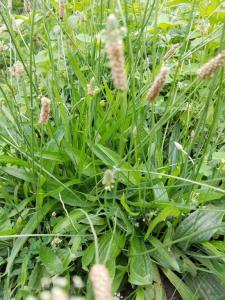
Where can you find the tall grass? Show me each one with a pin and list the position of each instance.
(103, 175)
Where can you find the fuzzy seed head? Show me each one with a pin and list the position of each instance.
(45, 110)
(78, 282)
(108, 180)
(112, 24)
(56, 241)
(158, 84)
(10, 5)
(212, 66)
(27, 6)
(2, 47)
(61, 9)
(115, 52)
(45, 295)
(170, 52)
(203, 27)
(178, 146)
(59, 281)
(91, 88)
(18, 69)
(58, 294)
(101, 282)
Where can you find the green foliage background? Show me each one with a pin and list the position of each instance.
(164, 215)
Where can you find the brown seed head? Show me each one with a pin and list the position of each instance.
(212, 66)
(115, 51)
(158, 84)
(170, 52)
(18, 69)
(61, 9)
(101, 282)
(27, 6)
(45, 110)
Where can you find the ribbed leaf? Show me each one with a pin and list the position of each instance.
(51, 261)
(182, 288)
(199, 226)
(162, 255)
(209, 287)
(31, 225)
(140, 264)
(110, 245)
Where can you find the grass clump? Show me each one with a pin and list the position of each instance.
(112, 150)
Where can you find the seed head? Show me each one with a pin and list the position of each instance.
(18, 69)
(108, 180)
(27, 6)
(10, 5)
(61, 9)
(101, 282)
(3, 47)
(170, 52)
(115, 51)
(56, 241)
(158, 84)
(58, 294)
(78, 282)
(91, 88)
(45, 295)
(58, 280)
(203, 27)
(45, 110)
(212, 66)
(178, 146)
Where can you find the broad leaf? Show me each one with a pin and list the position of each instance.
(51, 261)
(140, 264)
(199, 226)
(163, 255)
(207, 285)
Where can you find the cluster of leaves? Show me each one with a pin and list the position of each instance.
(164, 217)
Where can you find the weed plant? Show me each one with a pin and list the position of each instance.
(94, 174)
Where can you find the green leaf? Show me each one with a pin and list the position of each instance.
(13, 160)
(199, 226)
(71, 22)
(110, 158)
(164, 257)
(155, 291)
(76, 68)
(126, 207)
(51, 261)
(207, 196)
(140, 265)
(166, 212)
(35, 277)
(63, 225)
(219, 156)
(84, 38)
(110, 245)
(160, 192)
(88, 256)
(17, 173)
(69, 196)
(207, 285)
(181, 287)
(30, 226)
